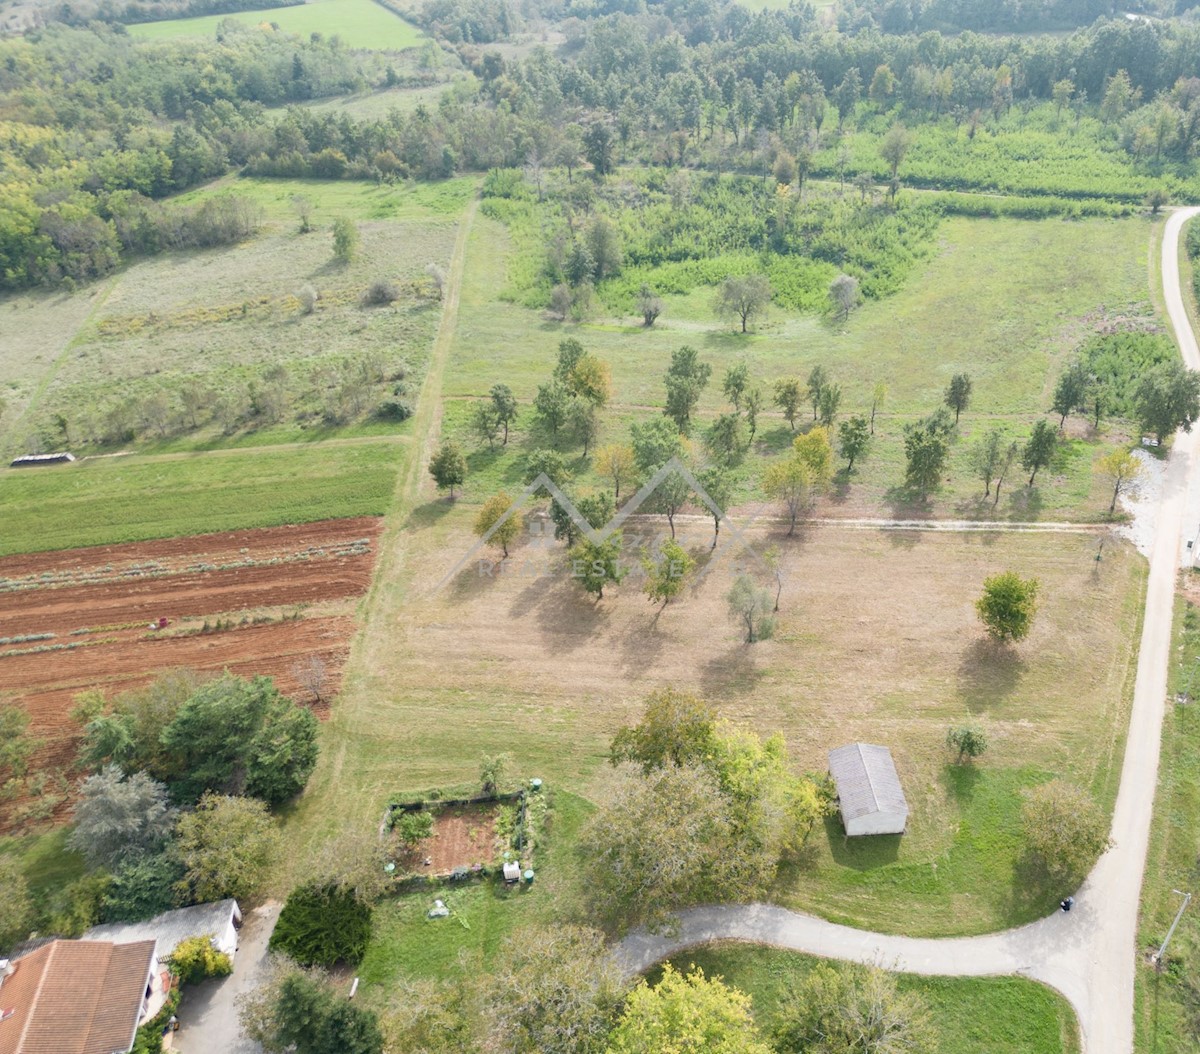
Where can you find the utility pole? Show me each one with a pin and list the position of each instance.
(1156, 958)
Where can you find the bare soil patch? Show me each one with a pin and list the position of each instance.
(251, 602)
(462, 835)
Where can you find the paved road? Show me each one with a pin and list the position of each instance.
(208, 1012)
(1089, 955)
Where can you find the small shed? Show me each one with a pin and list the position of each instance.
(869, 792)
(218, 920)
(62, 457)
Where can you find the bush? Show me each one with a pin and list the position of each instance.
(195, 959)
(322, 926)
(394, 410)
(143, 887)
(380, 293)
(1065, 830)
(413, 827)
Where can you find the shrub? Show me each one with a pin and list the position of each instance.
(195, 959)
(322, 926)
(394, 410)
(1065, 830)
(381, 292)
(412, 828)
(143, 887)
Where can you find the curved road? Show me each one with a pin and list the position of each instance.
(1089, 955)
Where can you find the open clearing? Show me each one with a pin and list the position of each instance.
(877, 641)
(462, 835)
(360, 24)
(253, 602)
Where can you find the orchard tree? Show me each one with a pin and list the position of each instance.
(551, 407)
(654, 441)
(228, 846)
(584, 422)
(743, 297)
(843, 295)
(688, 1014)
(753, 405)
(789, 482)
(734, 385)
(718, 488)
(590, 380)
(726, 438)
(1039, 449)
(597, 564)
(548, 463)
(958, 394)
(1167, 398)
(1065, 831)
(986, 457)
(829, 403)
(816, 452)
(672, 494)
(649, 306)
(448, 467)
(970, 741)
(894, 147)
(120, 816)
(818, 380)
(485, 424)
(878, 398)
(504, 405)
(1007, 606)
(615, 461)
(751, 605)
(677, 728)
(1123, 469)
(1071, 392)
(686, 379)
(666, 576)
(925, 452)
(489, 519)
(598, 148)
(854, 437)
(788, 397)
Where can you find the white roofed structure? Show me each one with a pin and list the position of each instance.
(869, 792)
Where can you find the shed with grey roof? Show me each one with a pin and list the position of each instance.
(869, 792)
(219, 920)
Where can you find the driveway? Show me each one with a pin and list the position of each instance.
(1091, 954)
(208, 1012)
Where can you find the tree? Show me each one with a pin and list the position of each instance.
(312, 675)
(789, 482)
(969, 740)
(17, 919)
(718, 488)
(688, 1014)
(818, 380)
(925, 452)
(1071, 391)
(227, 846)
(677, 728)
(141, 887)
(1157, 197)
(322, 925)
(1039, 449)
(1007, 606)
(596, 564)
(548, 463)
(311, 1018)
(958, 394)
(1167, 398)
(598, 148)
(590, 379)
(843, 295)
(654, 441)
(666, 576)
(1065, 831)
(492, 769)
(737, 377)
(485, 424)
(345, 240)
(494, 509)
(551, 406)
(751, 605)
(753, 404)
(557, 991)
(830, 401)
(986, 457)
(851, 1009)
(672, 494)
(1123, 469)
(788, 394)
(303, 208)
(743, 297)
(118, 816)
(816, 452)
(504, 405)
(448, 467)
(584, 422)
(726, 438)
(1008, 458)
(894, 146)
(16, 745)
(854, 437)
(615, 461)
(241, 736)
(878, 396)
(649, 306)
(686, 378)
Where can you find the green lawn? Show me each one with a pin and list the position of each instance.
(46, 861)
(360, 24)
(102, 501)
(1003, 1015)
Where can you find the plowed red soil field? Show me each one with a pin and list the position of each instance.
(252, 602)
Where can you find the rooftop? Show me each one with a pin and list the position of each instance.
(866, 780)
(171, 927)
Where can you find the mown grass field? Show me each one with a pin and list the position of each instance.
(1008, 1015)
(128, 499)
(360, 24)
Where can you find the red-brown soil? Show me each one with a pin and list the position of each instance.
(253, 602)
(462, 835)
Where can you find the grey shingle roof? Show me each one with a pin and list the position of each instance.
(866, 780)
(169, 928)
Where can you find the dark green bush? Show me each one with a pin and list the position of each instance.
(394, 410)
(322, 926)
(142, 888)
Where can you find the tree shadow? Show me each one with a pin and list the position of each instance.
(960, 781)
(905, 504)
(730, 672)
(567, 615)
(988, 673)
(1033, 891)
(863, 852)
(1025, 504)
(430, 512)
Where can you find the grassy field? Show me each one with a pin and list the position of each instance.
(374, 105)
(128, 499)
(1006, 301)
(973, 1015)
(1168, 1001)
(360, 24)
